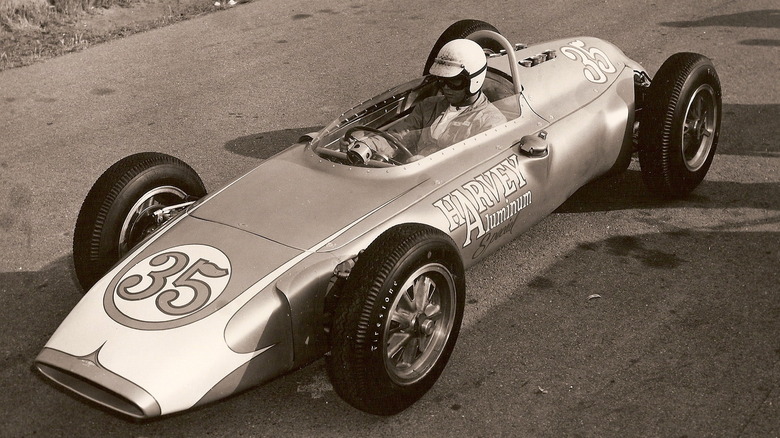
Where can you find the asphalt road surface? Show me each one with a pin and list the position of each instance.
(684, 341)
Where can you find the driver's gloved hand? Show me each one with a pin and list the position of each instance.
(376, 143)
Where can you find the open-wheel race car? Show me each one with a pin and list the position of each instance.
(333, 248)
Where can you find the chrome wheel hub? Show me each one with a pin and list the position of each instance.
(140, 220)
(419, 323)
(698, 134)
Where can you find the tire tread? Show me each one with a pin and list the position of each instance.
(90, 260)
(657, 151)
(349, 363)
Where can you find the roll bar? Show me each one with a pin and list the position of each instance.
(510, 52)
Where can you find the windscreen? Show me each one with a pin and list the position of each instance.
(412, 121)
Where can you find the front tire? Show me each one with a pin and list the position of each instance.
(118, 211)
(680, 125)
(397, 325)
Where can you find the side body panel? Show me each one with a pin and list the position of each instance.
(587, 143)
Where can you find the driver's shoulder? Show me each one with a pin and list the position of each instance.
(434, 102)
(429, 108)
(488, 111)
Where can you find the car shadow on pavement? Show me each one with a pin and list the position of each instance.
(35, 303)
(766, 18)
(264, 145)
(750, 130)
(626, 191)
(660, 334)
(32, 297)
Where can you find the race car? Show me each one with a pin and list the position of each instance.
(331, 248)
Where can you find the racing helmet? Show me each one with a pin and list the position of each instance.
(462, 57)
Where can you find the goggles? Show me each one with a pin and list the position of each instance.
(455, 83)
(460, 81)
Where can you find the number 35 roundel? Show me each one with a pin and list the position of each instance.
(169, 288)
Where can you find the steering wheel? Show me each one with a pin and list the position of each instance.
(392, 141)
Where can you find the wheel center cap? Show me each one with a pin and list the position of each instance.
(427, 326)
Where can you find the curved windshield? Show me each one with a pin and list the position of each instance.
(413, 120)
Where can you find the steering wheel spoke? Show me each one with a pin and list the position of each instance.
(398, 147)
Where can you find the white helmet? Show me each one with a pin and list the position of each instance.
(462, 57)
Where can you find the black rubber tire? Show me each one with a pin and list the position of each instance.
(96, 237)
(358, 366)
(462, 29)
(679, 125)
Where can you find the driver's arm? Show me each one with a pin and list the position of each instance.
(408, 129)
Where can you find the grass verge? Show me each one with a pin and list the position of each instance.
(36, 30)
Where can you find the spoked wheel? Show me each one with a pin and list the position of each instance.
(398, 320)
(679, 125)
(420, 321)
(701, 119)
(140, 221)
(119, 211)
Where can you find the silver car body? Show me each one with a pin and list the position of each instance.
(232, 292)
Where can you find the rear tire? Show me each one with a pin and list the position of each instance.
(398, 320)
(118, 211)
(462, 29)
(679, 125)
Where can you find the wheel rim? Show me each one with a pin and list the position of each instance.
(419, 324)
(140, 220)
(698, 134)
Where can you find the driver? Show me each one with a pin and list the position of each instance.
(460, 112)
